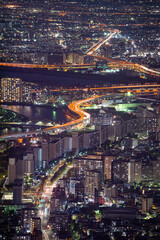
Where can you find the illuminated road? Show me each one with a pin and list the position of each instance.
(84, 117)
(113, 63)
(75, 107)
(91, 52)
(108, 88)
(44, 205)
(44, 201)
(96, 46)
(128, 87)
(45, 235)
(63, 66)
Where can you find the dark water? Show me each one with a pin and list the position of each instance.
(35, 114)
(56, 79)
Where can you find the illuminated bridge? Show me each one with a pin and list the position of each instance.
(75, 107)
(27, 124)
(113, 63)
(84, 116)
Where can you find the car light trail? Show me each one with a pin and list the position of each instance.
(73, 106)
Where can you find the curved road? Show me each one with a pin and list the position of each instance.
(75, 107)
(84, 116)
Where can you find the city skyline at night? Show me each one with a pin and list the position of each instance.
(79, 120)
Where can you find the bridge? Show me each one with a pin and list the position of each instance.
(49, 67)
(84, 117)
(113, 63)
(27, 124)
(75, 107)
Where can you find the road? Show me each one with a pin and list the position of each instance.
(44, 204)
(91, 52)
(124, 64)
(47, 66)
(75, 107)
(114, 63)
(108, 88)
(84, 117)
(96, 46)
(44, 201)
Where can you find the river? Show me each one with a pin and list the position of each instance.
(35, 114)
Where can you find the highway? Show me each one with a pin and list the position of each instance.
(114, 63)
(47, 66)
(108, 88)
(91, 52)
(75, 107)
(96, 46)
(124, 64)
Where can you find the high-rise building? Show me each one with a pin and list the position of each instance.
(131, 171)
(147, 203)
(92, 184)
(127, 171)
(58, 199)
(55, 58)
(147, 171)
(27, 215)
(35, 224)
(79, 192)
(28, 163)
(120, 171)
(156, 169)
(101, 118)
(73, 58)
(89, 163)
(108, 166)
(77, 142)
(27, 92)
(92, 139)
(11, 90)
(17, 191)
(138, 171)
(45, 154)
(20, 168)
(56, 149)
(37, 235)
(37, 152)
(11, 170)
(73, 182)
(60, 221)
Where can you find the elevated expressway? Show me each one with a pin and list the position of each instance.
(75, 107)
(97, 45)
(84, 116)
(49, 67)
(114, 63)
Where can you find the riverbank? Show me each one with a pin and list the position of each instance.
(35, 114)
(11, 116)
(28, 104)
